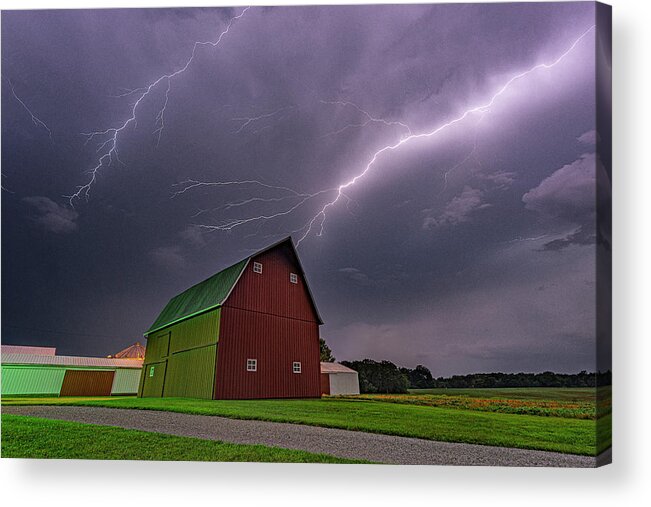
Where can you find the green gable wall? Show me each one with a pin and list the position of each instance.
(183, 356)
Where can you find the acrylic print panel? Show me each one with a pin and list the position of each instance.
(386, 224)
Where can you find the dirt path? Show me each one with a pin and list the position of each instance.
(336, 442)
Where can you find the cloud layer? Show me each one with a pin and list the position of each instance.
(51, 216)
(422, 262)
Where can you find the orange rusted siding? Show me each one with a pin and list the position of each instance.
(87, 383)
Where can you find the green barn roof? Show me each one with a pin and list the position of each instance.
(208, 294)
(213, 292)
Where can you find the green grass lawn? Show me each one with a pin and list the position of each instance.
(576, 436)
(32, 437)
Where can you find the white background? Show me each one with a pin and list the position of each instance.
(626, 482)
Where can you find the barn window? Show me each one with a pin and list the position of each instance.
(257, 268)
(251, 365)
(293, 277)
(151, 371)
(296, 367)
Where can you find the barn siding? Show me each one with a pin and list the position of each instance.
(158, 347)
(199, 331)
(268, 318)
(126, 381)
(271, 292)
(191, 373)
(87, 383)
(152, 385)
(20, 380)
(276, 343)
(184, 358)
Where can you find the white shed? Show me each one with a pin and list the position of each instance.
(338, 379)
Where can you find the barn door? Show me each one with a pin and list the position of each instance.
(87, 383)
(154, 374)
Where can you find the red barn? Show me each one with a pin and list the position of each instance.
(249, 331)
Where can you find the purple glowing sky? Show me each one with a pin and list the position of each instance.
(471, 249)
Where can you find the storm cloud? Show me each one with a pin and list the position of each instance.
(442, 253)
(51, 216)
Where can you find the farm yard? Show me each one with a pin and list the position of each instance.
(547, 419)
(30, 437)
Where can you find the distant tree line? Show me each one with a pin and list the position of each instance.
(386, 377)
(379, 376)
(544, 379)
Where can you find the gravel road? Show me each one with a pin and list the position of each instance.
(336, 442)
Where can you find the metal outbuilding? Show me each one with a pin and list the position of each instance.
(249, 331)
(135, 351)
(27, 374)
(27, 349)
(337, 379)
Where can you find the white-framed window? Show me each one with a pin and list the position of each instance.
(251, 365)
(296, 367)
(151, 371)
(293, 277)
(257, 267)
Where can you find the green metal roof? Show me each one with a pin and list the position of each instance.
(204, 296)
(213, 292)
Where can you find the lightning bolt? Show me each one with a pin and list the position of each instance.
(35, 119)
(369, 118)
(2, 187)
(109, 147)
(533, 238)
(447, 173)
(321, 216)
(231, 223)
(249, 120)
(339, 192)
(191, 184)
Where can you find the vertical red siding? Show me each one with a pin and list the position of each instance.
(272, 292)
(275, 342)
(270, 319)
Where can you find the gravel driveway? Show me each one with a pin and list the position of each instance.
(336, 442)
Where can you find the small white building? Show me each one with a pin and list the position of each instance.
(338, 379)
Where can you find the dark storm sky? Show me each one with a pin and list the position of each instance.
(493, 270)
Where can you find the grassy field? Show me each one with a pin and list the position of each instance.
(522, 393)
(31, 437)
(579, 403)
(413, 419)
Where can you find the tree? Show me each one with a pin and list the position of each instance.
(326, 353)
(419, 378)
(379, 376)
